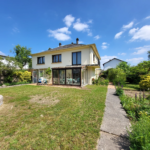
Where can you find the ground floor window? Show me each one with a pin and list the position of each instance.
(67, 76)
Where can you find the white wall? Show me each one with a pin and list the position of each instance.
(111, 64)
(66, 59)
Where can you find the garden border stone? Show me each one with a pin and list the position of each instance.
(12, 85)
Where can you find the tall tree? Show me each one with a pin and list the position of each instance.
(22, 55)
(124, 66)
(148, 55)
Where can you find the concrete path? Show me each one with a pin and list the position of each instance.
(113, 133)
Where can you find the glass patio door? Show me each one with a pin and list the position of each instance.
(62, 77)
(69, 76)
(76, 76)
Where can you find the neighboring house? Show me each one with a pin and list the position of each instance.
(112, 63)
(5, 62)
(72, 64)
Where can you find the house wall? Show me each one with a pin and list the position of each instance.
(111, 64)
(91, 74)
(66, 59)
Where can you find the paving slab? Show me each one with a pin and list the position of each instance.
(112, 142)
(114, 125)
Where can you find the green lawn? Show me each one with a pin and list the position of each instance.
(38, 117)
(131, 87)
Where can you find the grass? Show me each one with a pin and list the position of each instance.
(131, 87)
(71, 124)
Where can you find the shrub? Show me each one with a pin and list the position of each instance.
(100, 81)
(23, 76)
(116, 76)
(119, 91)
(145, 82)
(140, 135)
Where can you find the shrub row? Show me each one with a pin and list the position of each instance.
(139, 111)
(100, 81)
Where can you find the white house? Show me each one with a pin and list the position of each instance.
(6, 62)
(112, 63)
(72, 64)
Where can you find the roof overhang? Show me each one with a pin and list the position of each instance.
(93, 46)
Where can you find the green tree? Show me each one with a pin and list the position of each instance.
(7, 68)
(22, 55)
(49, 48)
(124, 66)
(117, 76)
(148, 55)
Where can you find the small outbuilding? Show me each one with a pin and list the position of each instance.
(112, 63)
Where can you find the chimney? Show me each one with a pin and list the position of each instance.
(59, 44)
(77, 41)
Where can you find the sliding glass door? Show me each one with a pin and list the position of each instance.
(76, 76)
(67, 77)
(62, 77)
(55, 76)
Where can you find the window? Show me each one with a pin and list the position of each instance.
(41, 60)
(56, 58)
(93, 57)
(76, 58)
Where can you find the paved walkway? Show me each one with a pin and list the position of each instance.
(113, 133)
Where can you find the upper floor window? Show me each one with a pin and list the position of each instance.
(93, 57)
(41, 60)
(76, 58)
(56, 58)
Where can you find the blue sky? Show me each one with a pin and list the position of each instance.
(119, 28)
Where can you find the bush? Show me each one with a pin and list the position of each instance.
(100, 81)
(145, 82)
(140, 135)
(23, 76)
(119, 91)
(117, 76)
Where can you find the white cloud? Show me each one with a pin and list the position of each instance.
(141, 50)
(89, 32)
(124, 28)
(1, 53)
(80, 26)
(132, 31)
(80, 42)
(106, 58)
(128, 25)
(123, 54)
(16, 30)
(118, 35)
(148, 17)
(97, 37)
(135, 60)
(104, 45)
(142, 34)
(60, 34)
(90, 21)
(69, 19)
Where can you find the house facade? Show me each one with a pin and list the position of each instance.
(112, 63)
(72, 64)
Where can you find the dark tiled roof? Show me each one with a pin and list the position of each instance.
(112, 59)
(64, 47)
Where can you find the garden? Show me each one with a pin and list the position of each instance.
(133, 87)
(45, 117)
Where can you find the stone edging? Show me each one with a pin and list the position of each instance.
(1, 100)
(12, 85)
